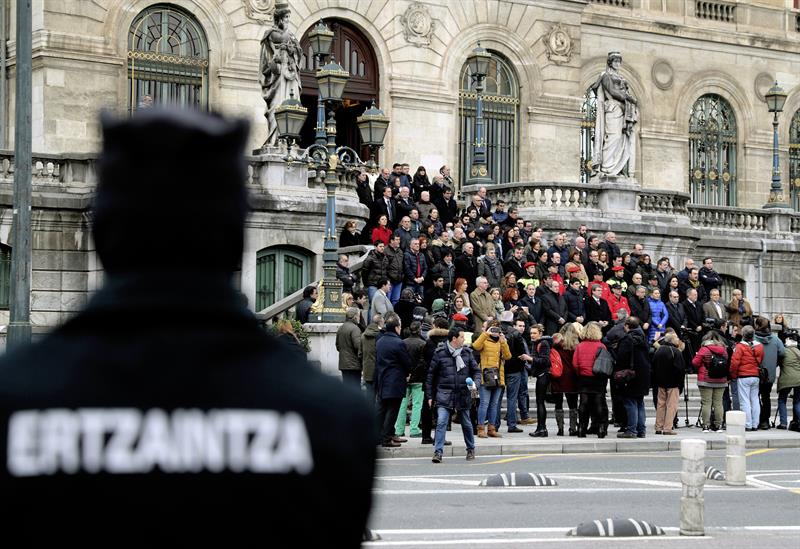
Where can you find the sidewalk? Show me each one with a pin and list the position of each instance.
(521, 443)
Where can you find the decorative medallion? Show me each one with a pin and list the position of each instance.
(418, 26)
(334, 297)
(474, 171)
(726, 177)
(762, 84)
(712, 175)
(260, 10)
(558, 44)
(662, 74)
(482, 171)
(698, 174)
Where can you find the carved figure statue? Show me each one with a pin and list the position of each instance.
(279, 67)
(617, 114)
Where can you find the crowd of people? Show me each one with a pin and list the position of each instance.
(456, 306)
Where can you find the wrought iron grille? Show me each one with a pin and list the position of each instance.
(589, 112)
(5, 276)
(794, 161)
(500, 115)
(712, 152)
(167, 59)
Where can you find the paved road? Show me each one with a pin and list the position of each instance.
(418, 503)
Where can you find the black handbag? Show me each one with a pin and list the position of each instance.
(491, 377)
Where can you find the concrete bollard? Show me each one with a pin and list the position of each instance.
(735, 460)
(693, 479)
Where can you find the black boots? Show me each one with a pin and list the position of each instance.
(560, 422)
(573, 422)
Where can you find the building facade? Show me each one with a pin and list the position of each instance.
(699, 70)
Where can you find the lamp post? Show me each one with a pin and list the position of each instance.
(478, 62)
(328, 160)
(776, 98)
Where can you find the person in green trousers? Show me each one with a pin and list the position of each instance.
(419, 371)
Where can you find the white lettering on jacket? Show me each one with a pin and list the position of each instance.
(128, 440)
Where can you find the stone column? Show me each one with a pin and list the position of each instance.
(693, 479)
(735, 466)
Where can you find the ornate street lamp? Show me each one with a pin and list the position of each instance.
(373, 125)
(775, 98)
(478, 63)
(321, 39)
(290, 116)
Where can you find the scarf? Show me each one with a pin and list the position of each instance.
(456, 353)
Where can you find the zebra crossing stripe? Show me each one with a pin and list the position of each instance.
(600, 530)
(505, 479)
(610, 523)
(513, 479)
(647, 527)
(636, 525)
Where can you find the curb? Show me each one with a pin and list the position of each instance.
(602, 446)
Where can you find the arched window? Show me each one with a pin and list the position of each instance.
(794, 160)
(589, 115)
(279, 273)
(500, 114)
(5, 275)
(167, 59)
(712, 152)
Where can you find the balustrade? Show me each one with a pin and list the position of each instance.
(715, 11)
(720, 217)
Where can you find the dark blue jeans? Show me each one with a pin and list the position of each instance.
(513, 384)
(634, 409)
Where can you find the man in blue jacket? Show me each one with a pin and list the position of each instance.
(392, 366)
(451, 365)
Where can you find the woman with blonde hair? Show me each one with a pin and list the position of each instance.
(494, 352)
(668, 371)
(565, 342)
(592, 387)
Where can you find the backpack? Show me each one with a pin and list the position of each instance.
(556, 366)
(717, 366)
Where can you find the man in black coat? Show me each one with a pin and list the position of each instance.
(634, 359)
(533, 303)
(386, 205)
(554, 308)
(576, 311)
(515, 263)
(164, 409)
(392, 366)
(694, 320)
(447, 389)
(447, 206)
(467, 266)
(640, 308)
(597, 309)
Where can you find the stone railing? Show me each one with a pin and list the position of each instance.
(73, 173)
(715, 11)
(547, 196)
(663, 202)
(723, 217)
(285, 307)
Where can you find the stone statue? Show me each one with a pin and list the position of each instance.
(279, 67)
(617, 114)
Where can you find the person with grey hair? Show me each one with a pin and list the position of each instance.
(482, 304)
(348, 343)
(392, 367)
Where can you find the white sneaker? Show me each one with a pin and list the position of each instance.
(706, 430)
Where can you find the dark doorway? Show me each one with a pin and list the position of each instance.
(353, 52)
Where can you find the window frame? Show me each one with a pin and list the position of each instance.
(279, 256)
(707, 184)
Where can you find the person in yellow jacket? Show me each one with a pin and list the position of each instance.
(494, 351)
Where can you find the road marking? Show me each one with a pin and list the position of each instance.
(428, 480)
(487, 541)
(757, 452)
(760, 473)
(753, 480)
(508, 460)
(555, 489)
(662, 483)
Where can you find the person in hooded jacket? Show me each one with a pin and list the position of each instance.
(745, 364)
(419, 373)
(633, 354)
(658, 315)
(789, 380)
(668, 372)
(369, 340)
(774, 351)
(446, 388)
(711, 389)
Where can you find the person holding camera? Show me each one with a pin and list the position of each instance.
(494, 351)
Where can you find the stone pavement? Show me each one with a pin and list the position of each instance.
(521, 443)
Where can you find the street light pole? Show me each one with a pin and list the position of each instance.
(775, 98)
(478, 61)
(19, 327)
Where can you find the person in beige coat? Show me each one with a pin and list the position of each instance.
(482, 304)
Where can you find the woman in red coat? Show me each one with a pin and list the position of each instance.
(592, 388)
(565, 341)
(382, 232)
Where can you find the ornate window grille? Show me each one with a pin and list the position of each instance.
(167, 59)
(589, 112)
(279, 273)
(5, 275)
(794, 161)
(501, 115)
(712, 152)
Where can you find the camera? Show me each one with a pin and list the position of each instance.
(494, 330)
(713, 323)
(793, 334)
